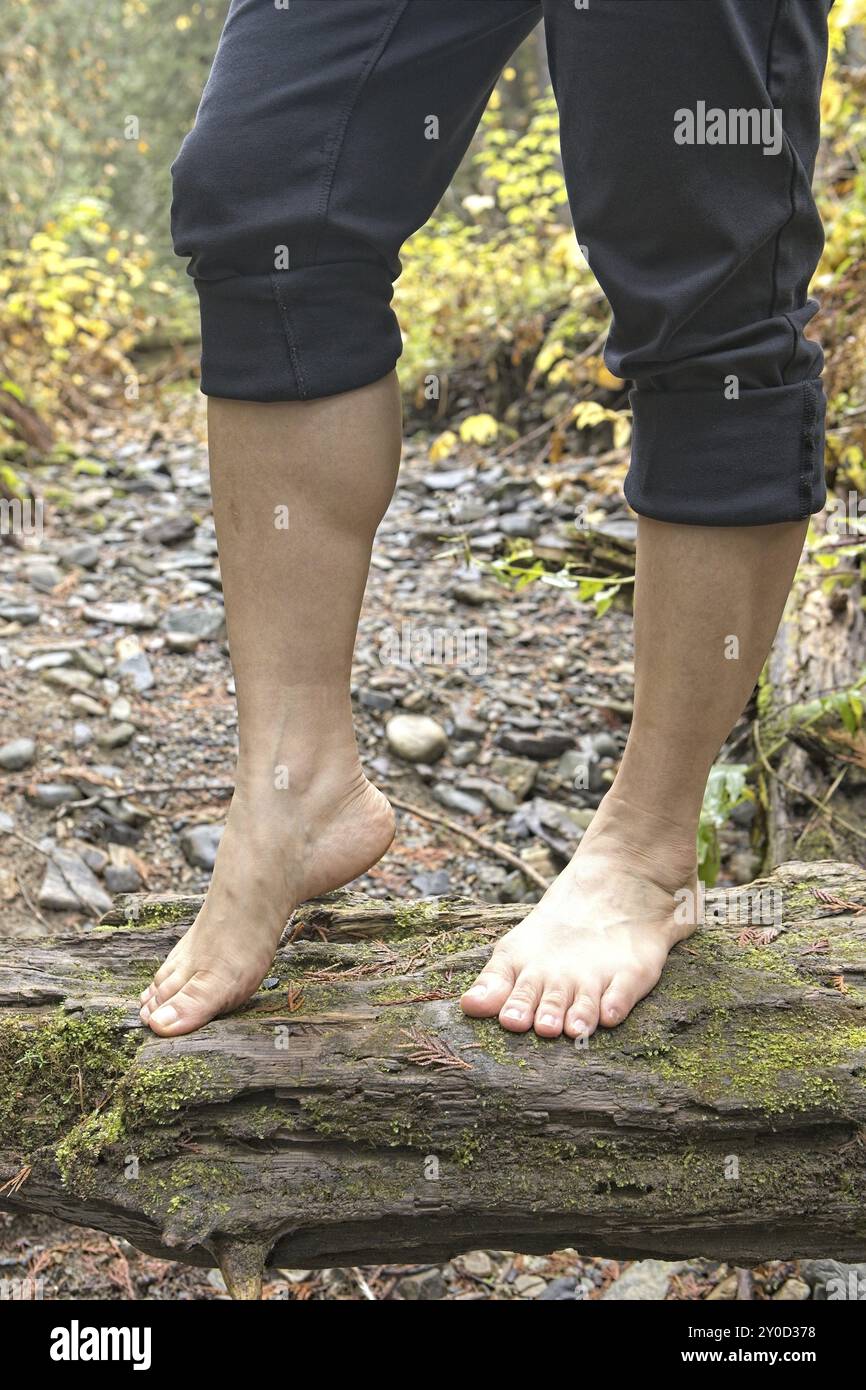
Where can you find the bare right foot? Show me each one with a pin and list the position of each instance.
(279, 849)
(598, 940)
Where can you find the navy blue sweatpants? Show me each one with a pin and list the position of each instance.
(689, 131)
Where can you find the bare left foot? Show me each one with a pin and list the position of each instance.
(598, 940)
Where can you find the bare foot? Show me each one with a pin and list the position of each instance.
(598, 940)
(277, 851)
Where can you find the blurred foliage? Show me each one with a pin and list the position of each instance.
(70, 315)
(95, 103)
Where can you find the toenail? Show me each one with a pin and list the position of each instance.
(478, 992)
(512, 1013)
(165, 1016)
(549, 1020)
(613, 1014)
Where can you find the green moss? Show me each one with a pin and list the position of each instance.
(188, 1197)
(140, 916)
(413, 917)
(56, 1071)
(493, 1039)
(144, 1100)
(153, 1095)
(778, 1065)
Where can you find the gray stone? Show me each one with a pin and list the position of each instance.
(121, 614)
(122, 878)
(456, 800)
(428, 1284)
(181, 641)
(464, 753)
(793, 1290)
(530, 1285)
(540, 747)
(43, 577)
(519, 524)
(18, 754)
(473, 595)
(65, 678)
(375, 699)
(69, 886)
(84, 555)
(95, 859)
(137, 671)
(116, 735)
(170, 530)
(82, 734)
(23, 613)
(51, 794)
(562, 1290)
(832, 1281)
(465, 726)
(45, 661)
(518, 774)
(416, 737)
(432, 884)
(645, 1279)
(200, 844)
(448, 481)
(205, 623)
(89, 661)
(85, 705)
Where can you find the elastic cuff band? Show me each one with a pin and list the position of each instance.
(297, 335)
(704, 460)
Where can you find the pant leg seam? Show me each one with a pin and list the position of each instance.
(340, 134)
(291, 340)
(774, 287)
(807, 447)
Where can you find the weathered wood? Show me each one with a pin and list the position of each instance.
(351, 1114)
(820, 649)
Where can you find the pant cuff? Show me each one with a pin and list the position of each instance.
(701, 459)
(297, 335)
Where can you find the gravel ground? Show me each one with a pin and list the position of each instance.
(504, 712)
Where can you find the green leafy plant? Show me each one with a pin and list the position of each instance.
(726, 790)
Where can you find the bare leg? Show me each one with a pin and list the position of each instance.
(707, 604)
(298, 489)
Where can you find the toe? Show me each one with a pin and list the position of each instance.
(490, 991)
(159, 994)
(519, 1008)
(193, 1005)
(621, 995)
(550, 1014)
(582, 1017)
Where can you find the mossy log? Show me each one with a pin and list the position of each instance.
(351, 1114)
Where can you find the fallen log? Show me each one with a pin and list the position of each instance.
(351, 1114)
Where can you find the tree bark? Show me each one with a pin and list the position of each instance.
(351, 1114)
(819, 650)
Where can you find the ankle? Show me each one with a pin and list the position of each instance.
(664, 844)
(304, 772)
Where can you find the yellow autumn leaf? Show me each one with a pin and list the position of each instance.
(443, 447)
(479, 429)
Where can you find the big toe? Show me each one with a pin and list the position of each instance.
(197, 1001)
(489, 992)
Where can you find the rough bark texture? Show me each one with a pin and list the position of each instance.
(820, 648)
(351, 1114)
